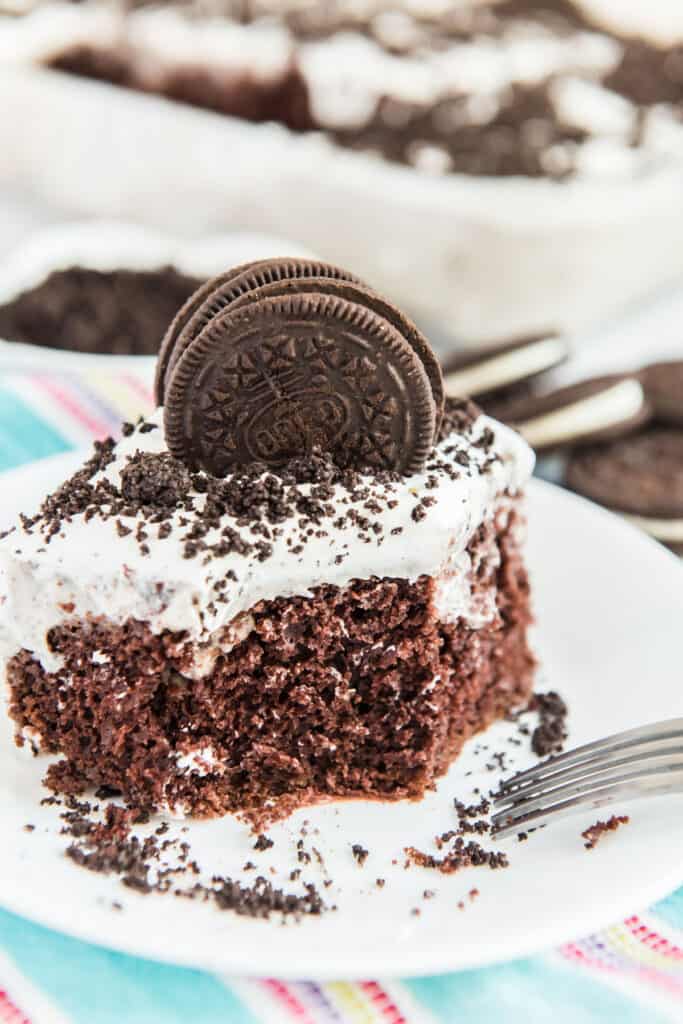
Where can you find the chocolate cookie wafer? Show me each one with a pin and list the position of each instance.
(663, 383)
(640, 476)
(218, 293)
(490, 369)
(282, 375)
(601, 409)
(360, 294)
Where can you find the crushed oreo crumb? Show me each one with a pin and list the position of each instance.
(461, 855)
(109, 847)
(549, 735)
(595, 832)
(360, 853)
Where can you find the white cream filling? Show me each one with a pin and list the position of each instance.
(201, 761)
(616, 404)
(506, 368)
(670, 530)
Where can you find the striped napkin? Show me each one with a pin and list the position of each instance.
(630, 973)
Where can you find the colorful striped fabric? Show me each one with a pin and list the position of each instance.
(630, 973)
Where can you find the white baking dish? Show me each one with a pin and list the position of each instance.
(482, 257)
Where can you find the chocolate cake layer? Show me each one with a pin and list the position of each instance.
(274, 636)
(366, 690)
(121, 312)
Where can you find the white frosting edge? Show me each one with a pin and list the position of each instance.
(88, 570)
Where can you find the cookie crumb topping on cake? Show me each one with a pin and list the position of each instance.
(208, 630)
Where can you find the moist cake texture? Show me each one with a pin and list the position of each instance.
(514, 87)
(274, 637)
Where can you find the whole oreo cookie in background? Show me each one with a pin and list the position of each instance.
(640, 476)
(275, 359)
(497, 367)
(663, 383)
(601, 409)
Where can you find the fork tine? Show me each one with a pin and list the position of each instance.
(568, 799)
(670, 729)
(510, 792)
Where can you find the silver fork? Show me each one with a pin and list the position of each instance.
(642, 762)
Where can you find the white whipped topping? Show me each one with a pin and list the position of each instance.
(87, 569)
(348, 73)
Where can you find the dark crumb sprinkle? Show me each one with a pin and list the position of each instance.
(594, 834)
(458, 417)
(261, 899)
(549, 735)
(116, 905)
(249, 866)
(465, 812)
(154, 487)
(428, 894)
(522, 837)
(106, 792)
(302, 855)
(473, 894)
(29, 828)
(462, 855)
(360, 853)
(416, 911)
(380, 883)
(108, 847)
(263, 843)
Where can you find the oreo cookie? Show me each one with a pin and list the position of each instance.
(218, 293)
(270, 278)
(640, 476)
(496, 367)
(601, 409)
(262, 371)
(663, 383)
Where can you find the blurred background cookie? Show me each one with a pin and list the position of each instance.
(663, 383)
(639, 476)
(601, 409)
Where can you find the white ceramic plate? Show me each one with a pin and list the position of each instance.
(608, 603)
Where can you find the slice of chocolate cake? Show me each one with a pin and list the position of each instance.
(300, 579)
